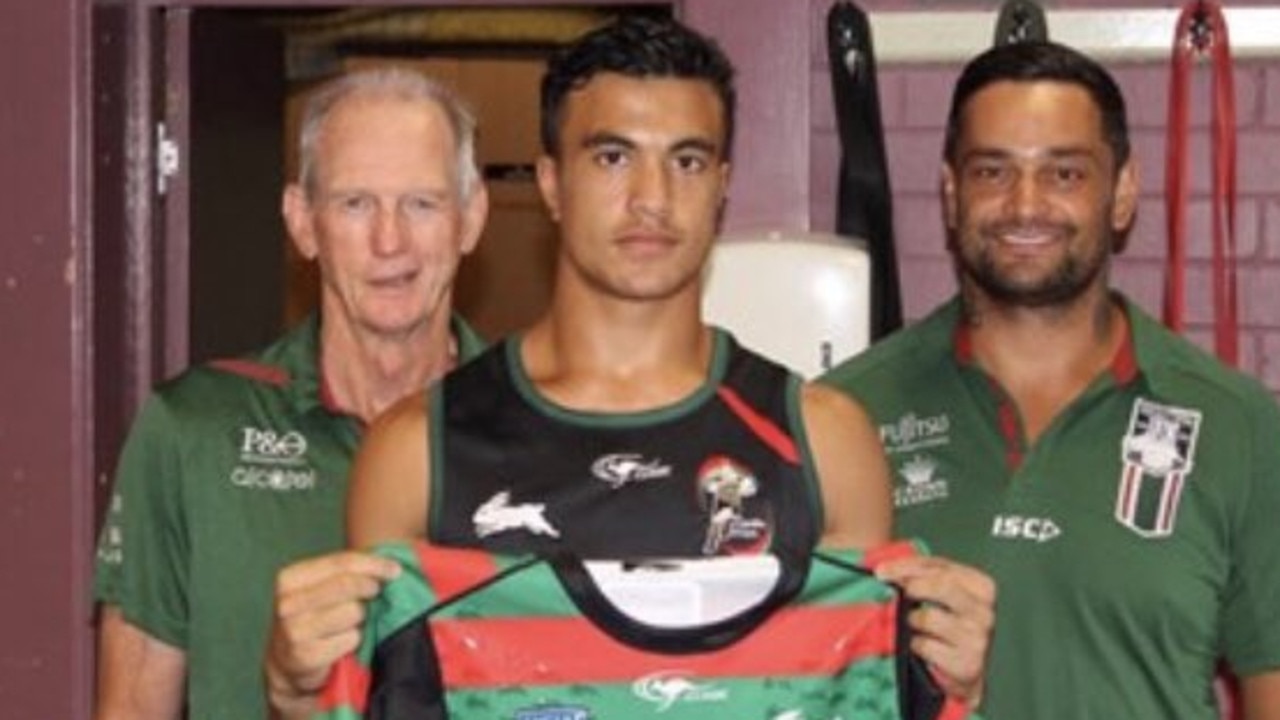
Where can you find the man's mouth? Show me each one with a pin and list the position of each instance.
(646, 242)
(1028, 236)
(394, 281)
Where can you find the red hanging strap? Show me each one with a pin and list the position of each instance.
(1201, 28)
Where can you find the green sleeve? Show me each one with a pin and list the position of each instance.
(143, 558)
(109, 558)
(1251, 609)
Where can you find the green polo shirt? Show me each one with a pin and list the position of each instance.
(231, 471)
(1133, 544)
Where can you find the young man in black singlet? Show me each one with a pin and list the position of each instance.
(619, 423)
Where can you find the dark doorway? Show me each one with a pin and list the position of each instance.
(250, 71)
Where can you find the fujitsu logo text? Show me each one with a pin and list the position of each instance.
(912, 432)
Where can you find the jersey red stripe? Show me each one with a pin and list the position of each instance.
(1169, 506)
(763, 427)
(450, 571)
(552, 650)
(1124, 366)
(253, 370)
(1009, 428)
(962, 344)
(348, 685)
(1132, 478)
(880, 554)
(953, 709)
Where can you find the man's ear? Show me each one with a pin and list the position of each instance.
(474, 217)
(722, 203)
(949, 201)
(549, 185)
(296, 209)
(726, 174)
(1125, 204)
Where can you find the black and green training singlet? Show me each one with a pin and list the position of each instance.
(724, 471)
(466, 635)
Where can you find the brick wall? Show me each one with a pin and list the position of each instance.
(914, 102)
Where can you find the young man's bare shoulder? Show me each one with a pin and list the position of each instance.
(389, 477)
(828, 406)
(407, 417)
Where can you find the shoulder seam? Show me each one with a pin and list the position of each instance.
(261, 372)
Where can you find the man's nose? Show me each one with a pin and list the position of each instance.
(651, 189)
(388, 234)
(1026, 196)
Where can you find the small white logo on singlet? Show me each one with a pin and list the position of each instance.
(618, 469)
(668, 687)
(497, 514)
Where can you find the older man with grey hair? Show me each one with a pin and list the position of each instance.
(239, 467)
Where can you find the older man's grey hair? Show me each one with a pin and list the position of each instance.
(393, 82)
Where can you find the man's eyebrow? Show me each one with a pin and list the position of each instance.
(699, 144)
(984, 154)
(598, 139)
(1056, 153)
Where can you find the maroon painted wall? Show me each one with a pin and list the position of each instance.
(45, 487)
(769, 42)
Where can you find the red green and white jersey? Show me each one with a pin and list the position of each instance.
(468, 635)
(230, 471)
(1134, 542)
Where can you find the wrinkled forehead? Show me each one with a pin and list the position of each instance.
(383, 133)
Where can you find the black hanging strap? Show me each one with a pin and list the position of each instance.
(1020, 21)
(864, 208)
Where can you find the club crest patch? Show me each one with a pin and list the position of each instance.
(728, 492)
(1157, 455)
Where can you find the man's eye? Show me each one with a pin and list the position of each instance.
(691, 164)
(355, 203)
(418, 204)
(610, 158)
(1068, 175)
(989, 173)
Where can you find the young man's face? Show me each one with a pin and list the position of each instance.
(386, 219)
(638, 184)
(1032, 196)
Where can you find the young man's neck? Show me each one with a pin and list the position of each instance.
(367, 372)
(618, 356)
